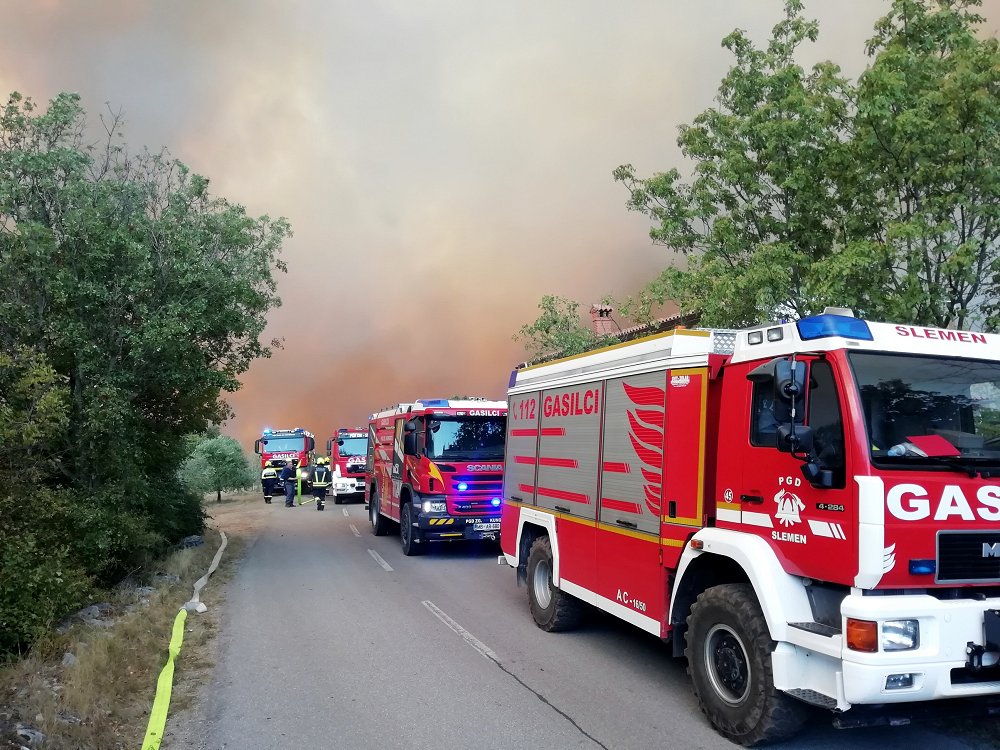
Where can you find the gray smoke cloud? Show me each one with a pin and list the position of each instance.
(444, 164)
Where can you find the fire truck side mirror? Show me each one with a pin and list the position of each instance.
(789, 383)
(410, 426)
(312, 444)
(410, 443)
(256, 447)
(797, 440)
(329, 446)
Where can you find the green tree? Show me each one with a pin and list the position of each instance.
(558, 330)
(33, 413)
(217, 464)
(809, 190)
(131, 299)
(146, 292)
(922, 241)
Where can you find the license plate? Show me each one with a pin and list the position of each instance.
(494, 526)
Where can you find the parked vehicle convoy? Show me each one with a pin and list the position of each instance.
(348, 451)
(296, 445)
(435, 467)
(808, 511)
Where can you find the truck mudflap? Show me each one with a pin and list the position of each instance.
(457, 527)
(901, 714)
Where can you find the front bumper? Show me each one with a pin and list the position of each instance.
(344, 486)
(442, 527)
(940, 665)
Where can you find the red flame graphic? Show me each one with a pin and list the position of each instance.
(646, 436)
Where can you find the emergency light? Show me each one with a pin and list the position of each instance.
(462, 486)
(495, 502)
(825, 326)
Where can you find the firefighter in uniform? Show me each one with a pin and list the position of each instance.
(287, 477)
(321, 480)
(268, 478)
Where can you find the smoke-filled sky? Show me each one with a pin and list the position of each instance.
(444, 163)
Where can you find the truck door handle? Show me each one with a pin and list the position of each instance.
(561, 508)
(627, 524)
(753, 499)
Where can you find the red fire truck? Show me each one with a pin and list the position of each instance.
(348, 451)
(295, 445)
(809, 512)
(435, 467)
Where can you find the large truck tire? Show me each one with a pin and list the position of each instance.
(380, 524)
(409, 535)
(729, 659)
(552, 608)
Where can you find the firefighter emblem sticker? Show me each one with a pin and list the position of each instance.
(789, 507)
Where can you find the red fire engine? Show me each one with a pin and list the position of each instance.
(348, 451)
(809, 511)
(435, 467)
(295, 445)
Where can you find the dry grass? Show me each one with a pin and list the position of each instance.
(103, 699)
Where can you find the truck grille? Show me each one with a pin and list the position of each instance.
(478, 506)
(479, 482)
(967, 556)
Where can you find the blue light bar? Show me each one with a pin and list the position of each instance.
(433, 401)
(267, 430)
(462, 486)
(922, 567)
(495, 502)
(825, 326)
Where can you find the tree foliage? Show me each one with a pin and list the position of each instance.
(131, 299)
(217, 464)
(558, 330)
(810, 190)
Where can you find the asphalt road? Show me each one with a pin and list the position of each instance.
(331, 638)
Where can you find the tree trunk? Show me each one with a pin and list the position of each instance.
(218, 496)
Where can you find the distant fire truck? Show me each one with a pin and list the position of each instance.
(280, 446)
(348, 451)
(809, 511)
(435, 467)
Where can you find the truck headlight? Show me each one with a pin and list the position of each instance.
(900, 635)
(431, 506)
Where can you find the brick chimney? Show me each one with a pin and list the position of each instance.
(601, 321)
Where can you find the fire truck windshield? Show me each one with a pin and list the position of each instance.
(913, 396)
(282, 444)
(352, 446)
(465, 438)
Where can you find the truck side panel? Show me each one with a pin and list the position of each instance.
(522, 447)
(685, 451)
(632, 464)
(568, 449)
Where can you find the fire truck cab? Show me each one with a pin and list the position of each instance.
(435, 467)
(277, 447)
(348, 452)
(808, 510)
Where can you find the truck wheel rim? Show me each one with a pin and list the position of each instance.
(727, 665)
(541, 584)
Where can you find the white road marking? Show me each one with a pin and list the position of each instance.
(355, 530)
(378, 558)
(466, 635)
(346, 514)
